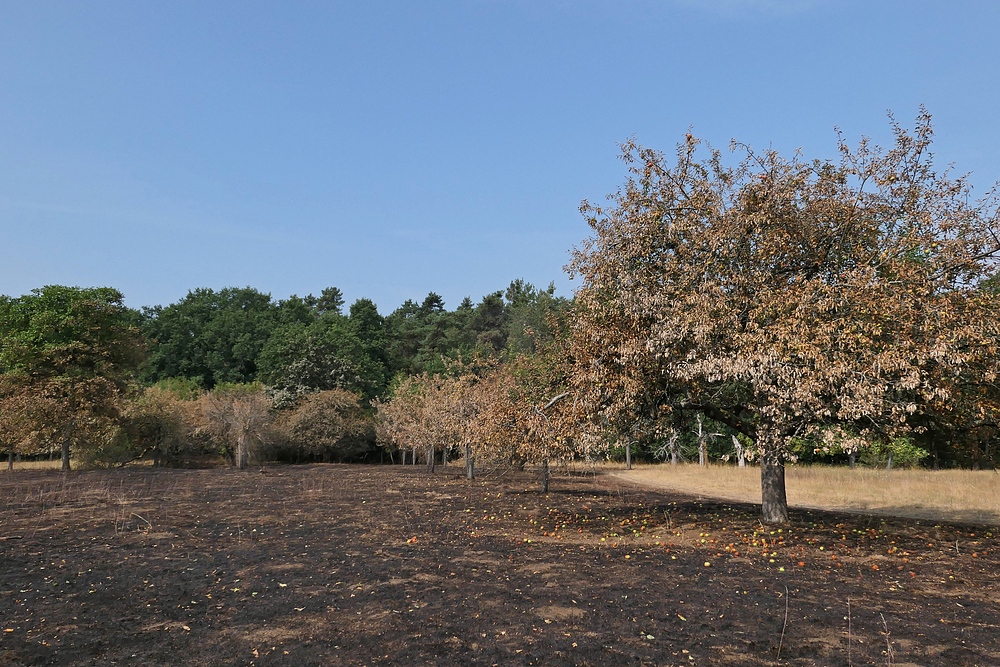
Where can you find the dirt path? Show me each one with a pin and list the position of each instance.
(366, 565)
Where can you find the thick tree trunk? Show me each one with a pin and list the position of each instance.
(852, 458)
(741, 455)
(470, 464)
(888, 464)
(10, 460)
(413, 461)
(774, 503)
(545, 475)
(628, 455)
(444, 456)
(67, 438)
(430, 459)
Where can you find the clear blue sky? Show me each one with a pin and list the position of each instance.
(391, 148)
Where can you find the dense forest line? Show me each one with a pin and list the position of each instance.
(769, 311)
(82, 371)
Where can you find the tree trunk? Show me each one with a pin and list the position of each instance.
(241, 451)
(702, 454)
(774, 503)
(10, 460)
(413, 462)
(545, 475)
(852, 457)
(444, 456)
(65, 447)
(888, 463)
(430, 459)
(740, 454)
(628, 456)
(470, 464)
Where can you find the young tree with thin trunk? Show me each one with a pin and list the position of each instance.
(238, 416)
(779, 295)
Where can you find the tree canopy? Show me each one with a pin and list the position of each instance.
(786, 297)
(66, 357)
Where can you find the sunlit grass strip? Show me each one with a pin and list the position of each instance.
(956, 495)
(54, 464)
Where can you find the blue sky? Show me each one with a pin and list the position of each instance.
(391, 148)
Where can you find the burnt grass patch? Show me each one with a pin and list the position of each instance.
(368, 565)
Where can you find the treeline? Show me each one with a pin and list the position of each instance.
(233, 372)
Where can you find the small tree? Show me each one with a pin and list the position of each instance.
(528, 413)
(158, 424)
(238, 416)
(330, 425)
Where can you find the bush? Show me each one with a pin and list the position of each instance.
(903, 452)
(325, 426)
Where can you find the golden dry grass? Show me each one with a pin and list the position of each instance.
(33, 465)
(56, 464)
(950, 495)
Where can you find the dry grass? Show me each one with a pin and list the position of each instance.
(949, 495)
(55, 464)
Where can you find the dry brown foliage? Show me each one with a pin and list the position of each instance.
(239, 418)
(328, 425)
(428, 413)
(780, 296)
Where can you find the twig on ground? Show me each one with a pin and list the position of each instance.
(888, 643)
(144, 519)
(783, 626)
(850, 662)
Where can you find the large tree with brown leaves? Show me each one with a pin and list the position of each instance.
(781, 296)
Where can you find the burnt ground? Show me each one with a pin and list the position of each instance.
(365, 565)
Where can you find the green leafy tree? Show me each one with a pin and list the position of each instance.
(213, 337)
(369, 355)
(69, 353)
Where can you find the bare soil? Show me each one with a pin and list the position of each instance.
(366, 565)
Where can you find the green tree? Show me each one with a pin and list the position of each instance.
(529, 314)
(72, 351)
(214, 337)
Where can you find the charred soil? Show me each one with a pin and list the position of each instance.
(366, 565)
